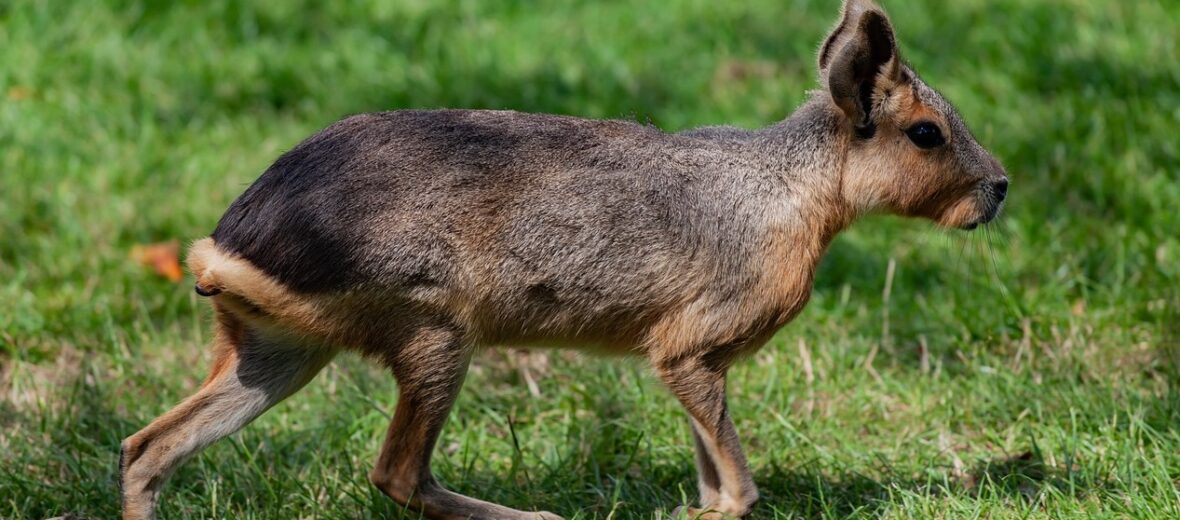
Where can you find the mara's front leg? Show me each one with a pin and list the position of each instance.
(727, 487)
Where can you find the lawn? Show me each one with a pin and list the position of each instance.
(1027, 370)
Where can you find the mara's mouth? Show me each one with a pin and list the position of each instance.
(989, 209)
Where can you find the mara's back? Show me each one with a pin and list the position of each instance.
(558, 222)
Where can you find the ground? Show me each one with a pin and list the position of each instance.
(1026, 370)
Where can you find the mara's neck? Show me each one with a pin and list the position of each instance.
(806, 156)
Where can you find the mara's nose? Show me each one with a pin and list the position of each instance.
(1000, 188)
(1000, 185)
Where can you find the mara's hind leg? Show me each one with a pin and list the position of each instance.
(429, 369)
(250, 374)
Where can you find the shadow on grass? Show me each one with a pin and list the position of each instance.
(1164, 414)
(819, 493)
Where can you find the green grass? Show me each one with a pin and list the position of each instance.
(1049, 384)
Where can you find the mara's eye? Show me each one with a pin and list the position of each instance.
(925, 135)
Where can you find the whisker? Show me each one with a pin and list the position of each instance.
(1003, 287)
(961, 255)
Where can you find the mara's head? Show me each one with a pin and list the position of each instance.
(909, 152)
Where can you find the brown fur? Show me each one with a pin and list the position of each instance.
(416, 237)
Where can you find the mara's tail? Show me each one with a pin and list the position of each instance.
(229, 277)
(206, 263)
(238, 286)
(219, 271)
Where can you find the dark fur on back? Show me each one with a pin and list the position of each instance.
(306, 220)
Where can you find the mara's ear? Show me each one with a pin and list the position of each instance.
(859, 59)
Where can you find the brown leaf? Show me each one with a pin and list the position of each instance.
(19, 93)
(162, 257)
